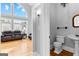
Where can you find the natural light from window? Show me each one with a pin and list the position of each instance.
(5, 8)
(14, 9)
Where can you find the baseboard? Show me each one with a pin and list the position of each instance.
(68, 48)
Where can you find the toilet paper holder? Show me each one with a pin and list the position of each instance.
(62, 27)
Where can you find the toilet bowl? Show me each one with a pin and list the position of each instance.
(58, 44)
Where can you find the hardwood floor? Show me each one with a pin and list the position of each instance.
(17, 48)
(24, 48)
(63, 53)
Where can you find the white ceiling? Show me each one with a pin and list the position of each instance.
(32, 4)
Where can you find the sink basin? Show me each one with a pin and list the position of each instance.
(73, 37)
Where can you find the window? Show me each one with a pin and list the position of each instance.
(10, 23)
(5, 24)
(19, 11)
(5, 8)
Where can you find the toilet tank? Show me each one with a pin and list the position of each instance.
(60, 39)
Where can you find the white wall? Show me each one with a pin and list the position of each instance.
(41, 30)
(45, 30)
(36, 30)
(27, 7)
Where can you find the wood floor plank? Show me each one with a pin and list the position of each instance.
(63, 53)
(17, 48)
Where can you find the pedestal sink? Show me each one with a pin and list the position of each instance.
(76, 40)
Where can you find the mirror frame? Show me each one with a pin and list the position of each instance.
(73, 21)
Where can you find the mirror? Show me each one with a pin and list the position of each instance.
(75, 21)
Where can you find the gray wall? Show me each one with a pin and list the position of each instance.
(52, 23)
(64, 18)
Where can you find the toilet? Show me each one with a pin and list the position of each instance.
(58, 44)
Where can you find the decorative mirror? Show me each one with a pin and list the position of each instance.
(75, 21)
